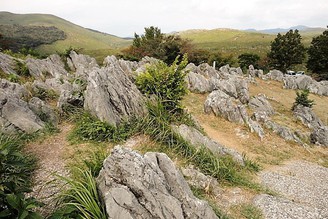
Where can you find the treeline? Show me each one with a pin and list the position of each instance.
(287, 52)
(16, 37)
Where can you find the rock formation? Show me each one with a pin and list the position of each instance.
(147, 186)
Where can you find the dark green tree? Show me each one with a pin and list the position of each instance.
(286, 50)
(302, 98)
(247, 59)
(318, 56)
(158, 45)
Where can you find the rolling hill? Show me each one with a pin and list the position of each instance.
(230, 41)
(76, 36)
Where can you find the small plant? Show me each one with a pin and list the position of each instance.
(13, 78)
(22, 69)
(82, 195)
(166, 82)
(251, 212)
(302, 98)
(45, 94)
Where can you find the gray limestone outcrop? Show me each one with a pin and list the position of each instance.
(303, 82)
(147, 186)
(197, 139)
(112, 96)
(307, 117)
(7, 63)
(320, 136)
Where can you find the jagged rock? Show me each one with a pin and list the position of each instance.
(303, 82)
(261, 105)
(221, 104)
(7, 64)
(199, 180)
(275, 75)
(242, 90)
(283, 131)
(226, 69)
(206, 70)
(83, 64)
(126, 66)
(12, 89)
(255, 127)
(307, 117)
(197, 139)
(44, 111)
(147, 186)
(198, 83)
(16, 113)
(49, 67)
(255, 72)
(320, 136)
(112, 97)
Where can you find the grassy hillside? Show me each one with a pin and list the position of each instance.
(77, 36)
(230, 41)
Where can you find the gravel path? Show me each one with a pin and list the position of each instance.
(50, 154)
(303, 189)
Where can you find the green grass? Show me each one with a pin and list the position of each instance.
(236, 42)
(77, 36)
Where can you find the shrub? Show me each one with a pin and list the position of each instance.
(166, 82)
(22, 69)
(302, 99)
(15, 172)
(247, 59)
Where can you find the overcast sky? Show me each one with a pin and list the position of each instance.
(124, 17)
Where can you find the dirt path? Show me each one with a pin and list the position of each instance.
(51, 154)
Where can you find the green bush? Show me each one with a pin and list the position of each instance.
(166, 82)
(16, 169)
(302, 98)
(22, 69)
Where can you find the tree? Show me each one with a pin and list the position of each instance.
(318, 56)
(156, 44)
(286, 50)
(247, 59)
(302, 98)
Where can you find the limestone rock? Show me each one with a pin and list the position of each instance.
(83, 64)
(303, 82)
(320, 136)
(307, 117)
(44, 111)
(254, 126)
(45, 68)
(283, 131)
(221, 104)
(13, 89)
(147, 186)
(198, 83)
(197, 139)
(112, 97)
(255, 72)
(260, 104)
(7, 63)
(16, 113)
(275, 75)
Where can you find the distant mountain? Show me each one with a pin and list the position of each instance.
(76, 36)
(301, 28)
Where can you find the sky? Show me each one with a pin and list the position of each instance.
(125, 17)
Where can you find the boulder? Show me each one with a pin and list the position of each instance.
(284, 132)
(261, 105)
(221, 104)
(126, 66)
(147, 186)
(254, 126)
(197, 139)
(198, 83)
(7, 64)
(13, 89)
(320, 136)
(307, 117)
(303, 82)
(275, 75)
(255, 72)
(47, 68)
(44, 111)
(16, 113)
(112, 97)
(83, 64)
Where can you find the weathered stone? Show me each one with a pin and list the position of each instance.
(260, 104)
(112, 97)
(283, 131)
(83, 64)
(255, 127)
(221, 104)
(45, 68)
(12, 89)
(275, 75)
(198, 83)
(303, 82)
(255, 72)
(197, 139)
(7, 64)
(43, 111)
(148, 186)
(126, 66)
(17, 113)
(307, 117)
(320, 136)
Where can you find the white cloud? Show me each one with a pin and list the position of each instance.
(124, 17)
